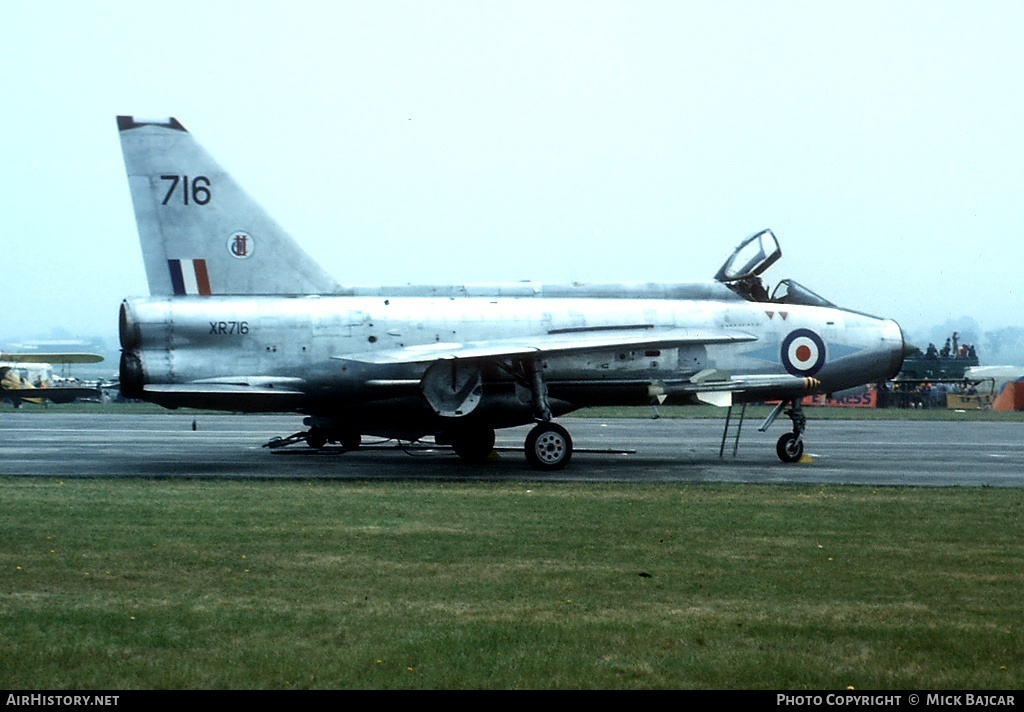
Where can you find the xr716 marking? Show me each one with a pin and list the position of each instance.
(224, 328)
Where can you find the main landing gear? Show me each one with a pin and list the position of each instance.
(790, 447)
(548, 445)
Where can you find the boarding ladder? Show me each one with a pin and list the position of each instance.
(732, 429)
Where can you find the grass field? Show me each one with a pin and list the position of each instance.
(258, 584)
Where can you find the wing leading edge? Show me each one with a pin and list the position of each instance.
(551, 344)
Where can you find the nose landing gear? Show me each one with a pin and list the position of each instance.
(790, 447)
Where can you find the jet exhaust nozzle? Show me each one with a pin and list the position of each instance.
(133, 377)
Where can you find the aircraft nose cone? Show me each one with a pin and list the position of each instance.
(899, 350)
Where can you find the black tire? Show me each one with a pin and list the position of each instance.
(548, 447)
(474, 445)
(790, 448)
(316, 438)
(351, 441)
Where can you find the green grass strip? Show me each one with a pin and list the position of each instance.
(147, 584)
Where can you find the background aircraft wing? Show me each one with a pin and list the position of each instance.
(55, 395)
(559, 342)
(36, 357)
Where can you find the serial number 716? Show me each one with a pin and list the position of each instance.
(225, 328)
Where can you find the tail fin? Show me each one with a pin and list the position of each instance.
(200, 232)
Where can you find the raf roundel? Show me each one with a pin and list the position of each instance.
(803, 352)
(241, 245)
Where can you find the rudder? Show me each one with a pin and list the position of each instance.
(200, 232)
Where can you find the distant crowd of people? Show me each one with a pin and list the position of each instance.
(952, 349)
(924, 386)
(894, 394)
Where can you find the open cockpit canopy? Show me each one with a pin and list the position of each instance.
(742, 274)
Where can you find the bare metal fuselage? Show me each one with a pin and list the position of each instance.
(221, 331)
(329, 355)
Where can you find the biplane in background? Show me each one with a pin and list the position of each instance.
(29, 378)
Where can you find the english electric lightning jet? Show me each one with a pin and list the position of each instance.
(240, 318)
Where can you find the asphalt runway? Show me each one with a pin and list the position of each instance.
(925, 453)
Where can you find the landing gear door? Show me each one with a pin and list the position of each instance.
(741, 271)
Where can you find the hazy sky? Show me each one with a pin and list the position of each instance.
(496, 141)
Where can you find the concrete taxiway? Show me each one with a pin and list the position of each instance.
(924, 453)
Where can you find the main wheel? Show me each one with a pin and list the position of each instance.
(790, 447)
(548, 447)
(474, 445)
(316, 438)
(350, 440)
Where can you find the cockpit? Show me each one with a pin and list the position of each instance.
(742, 274)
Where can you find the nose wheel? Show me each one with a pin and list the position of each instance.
(548, 447)
(790, 447)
